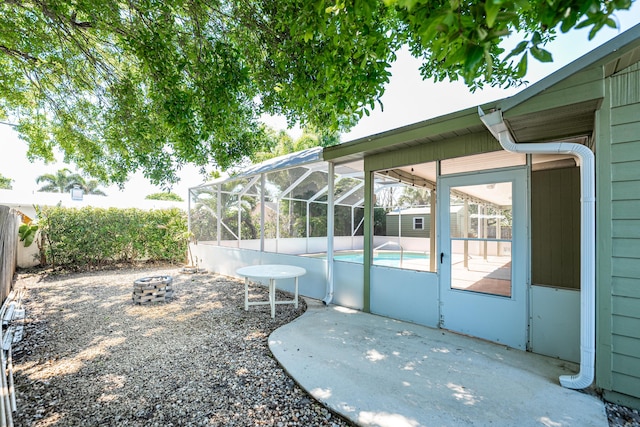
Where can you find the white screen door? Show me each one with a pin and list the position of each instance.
(483, 259)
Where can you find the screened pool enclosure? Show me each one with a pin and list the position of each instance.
(299, 209)
(288, 205)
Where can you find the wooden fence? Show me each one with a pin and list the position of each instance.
(9, 224)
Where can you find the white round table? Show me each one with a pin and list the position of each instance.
(272, 272)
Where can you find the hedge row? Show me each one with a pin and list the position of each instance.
(96, 237)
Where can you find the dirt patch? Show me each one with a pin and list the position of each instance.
(90, 356)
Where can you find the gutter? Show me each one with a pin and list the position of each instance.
(496, 125)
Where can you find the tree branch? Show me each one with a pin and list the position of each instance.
(17, 54)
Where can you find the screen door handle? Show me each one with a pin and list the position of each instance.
(441, 257)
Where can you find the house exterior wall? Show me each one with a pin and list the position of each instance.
(618, 166)
(555, 227)
(555, 263)
(407, 225)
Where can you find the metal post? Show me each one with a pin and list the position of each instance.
(466, 233)
(432, 231)
(262, 211)
(219, 214)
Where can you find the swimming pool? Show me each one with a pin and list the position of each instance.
(386, 258)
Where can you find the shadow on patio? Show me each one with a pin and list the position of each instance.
(377, 371)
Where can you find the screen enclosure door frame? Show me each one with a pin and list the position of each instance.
(484, 255)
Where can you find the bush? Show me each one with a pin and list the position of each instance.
(96, 237)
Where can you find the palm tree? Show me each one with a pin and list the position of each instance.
(91, 187)
(60, 182)
(64, 180)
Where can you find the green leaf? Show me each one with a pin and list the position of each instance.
(489, 66)
(568, 23)
(308, 36)
(518, 49)
(536, 39)
(541, 54)
(491, 11)
(474, 56)
(407, 4)
(27, 234)
(597, 27)
(521, 70)
(585, 23)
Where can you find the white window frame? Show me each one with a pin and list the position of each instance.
(421, 223)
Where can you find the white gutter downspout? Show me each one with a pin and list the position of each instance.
(330, 233)
(495, 123)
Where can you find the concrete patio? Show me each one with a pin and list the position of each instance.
(377, 371)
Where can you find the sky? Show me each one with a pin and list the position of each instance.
(407, 99)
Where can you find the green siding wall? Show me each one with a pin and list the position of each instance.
(555, 227)
(407, 225)
(625, 232)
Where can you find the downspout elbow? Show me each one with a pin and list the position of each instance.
(328, 298)
(584, 378)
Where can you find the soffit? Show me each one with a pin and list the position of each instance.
(399, 144)
(622, 62)
(444, 127)
(555, 123)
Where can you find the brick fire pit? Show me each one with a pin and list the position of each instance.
(152, 289)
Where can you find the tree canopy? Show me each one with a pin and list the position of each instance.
(282, 143)
(154, 85)
(5, 183)
(165, 196)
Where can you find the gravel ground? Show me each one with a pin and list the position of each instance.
(91, 357)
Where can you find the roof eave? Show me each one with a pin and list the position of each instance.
(431, 128)
(601, 54)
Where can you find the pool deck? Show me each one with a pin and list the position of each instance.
(376, 371)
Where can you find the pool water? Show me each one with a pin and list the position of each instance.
(387, 258)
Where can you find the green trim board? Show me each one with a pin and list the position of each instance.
(603, 377)
(576, 83)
